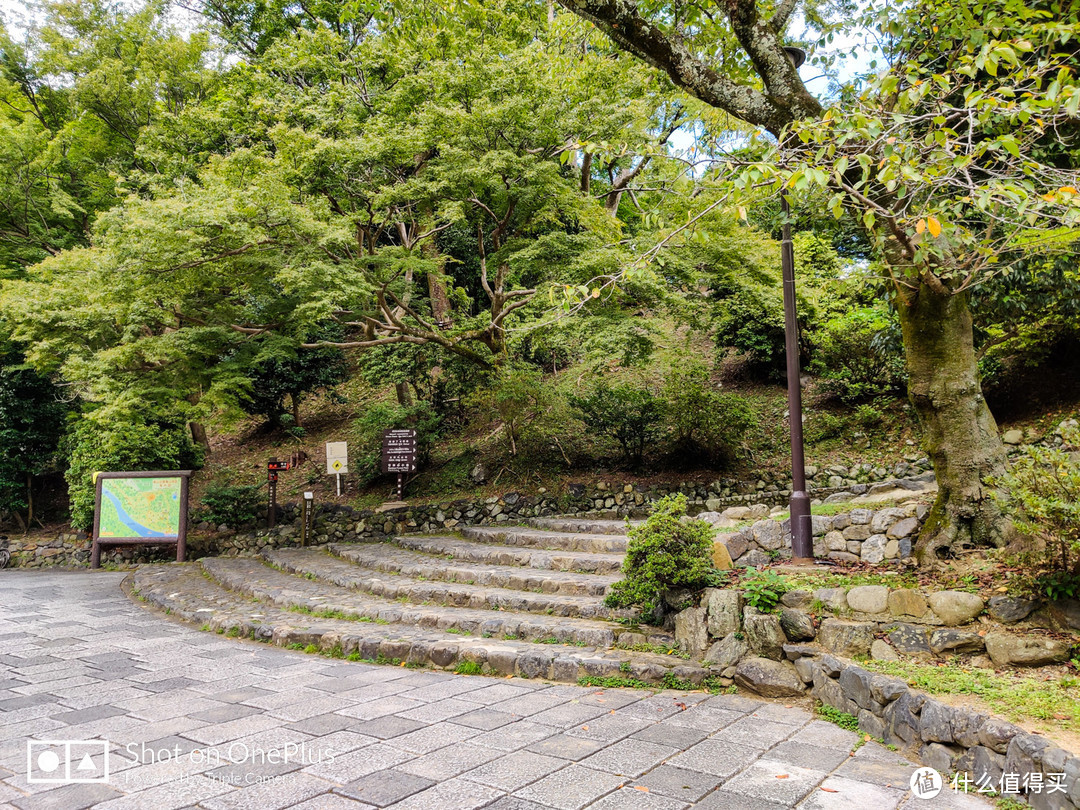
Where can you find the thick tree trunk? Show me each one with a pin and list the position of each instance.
(294, 399)
(198, 434)
(959, 432)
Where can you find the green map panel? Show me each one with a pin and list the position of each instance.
(140, 507)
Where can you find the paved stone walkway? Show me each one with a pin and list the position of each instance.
(193, 719)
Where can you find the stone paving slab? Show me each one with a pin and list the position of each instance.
(357, 736)
(466, 550)
(551, 541)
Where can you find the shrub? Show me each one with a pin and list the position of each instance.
(121, 446)
(632, 416)
(1042, 495)
(665, 555)
(706, 425)
(857, 357)
(751, 321)
(519, 397)
(232, 505)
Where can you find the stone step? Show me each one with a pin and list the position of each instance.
(538, 538)
(583, 525)
(390, 559)
(325, 568)
(252, 578)
(467, 551)
(184, 592)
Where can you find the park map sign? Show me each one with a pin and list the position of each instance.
(140, 507)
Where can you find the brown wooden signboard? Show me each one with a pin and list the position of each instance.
(399, 451)
(140, 508)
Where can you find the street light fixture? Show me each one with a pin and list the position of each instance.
(802, 536)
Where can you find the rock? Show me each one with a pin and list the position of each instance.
(1013, 437)
(936, 722)
(757, 511)
(736, 512)
(690, 630)
(727, 652)
(846, 638)
(755, 558)
(832, 598)
(1025, 651)
(478, 474)
(885, 688)
(873, 548)
(955, 641)
(996, 734)
(738, 543)
(714, 504)
(982, 764)
(909, 638)
(885, 518)
(799, 599)
(720, 556)
(868, 599)
(797, 626)
(1010, 609)
(774, 679)
(820, 525)
(724, 609)
(1066, 612)
(907, 602)
(834, 541)
(939, 757)
(956, 607)
(840, 497)
(881, 651)
(858, 532)
(903, 528)
(763, 633)
(768, 534)
(855, 681)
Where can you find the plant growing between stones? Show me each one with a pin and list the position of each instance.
(665, 556)
(763, 589)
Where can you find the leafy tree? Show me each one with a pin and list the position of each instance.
(706, 424)
(294, 377)
(630, 415)
(948, 160)
(32, 413)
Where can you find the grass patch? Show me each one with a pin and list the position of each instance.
(1015, 695)
(468, 668)
(657, 649)
(837, 717)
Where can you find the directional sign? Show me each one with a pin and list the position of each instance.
(399, 451)
(337, 458)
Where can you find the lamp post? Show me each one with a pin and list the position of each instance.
(802, 536)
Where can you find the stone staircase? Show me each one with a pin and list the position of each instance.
(509, 600)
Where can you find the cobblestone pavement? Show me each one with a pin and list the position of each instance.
(193, 719)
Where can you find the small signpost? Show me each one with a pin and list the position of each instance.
(399, 454)
(273, 467)
(306, 517)
(337, 461)
(136, 508)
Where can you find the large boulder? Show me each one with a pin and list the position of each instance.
(1010, 609)
(907, 602)
(768, 534)
(763, 633)
(956, 607)
(727, 652)
(868, 599)
(774, 679)
(910, 638)
(959, 642)
(797, 626)
(721, 557)
(724, 608)
(691, 632)
(1006, 649)
(846, 638)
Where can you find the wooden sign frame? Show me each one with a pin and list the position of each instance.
(180, 539)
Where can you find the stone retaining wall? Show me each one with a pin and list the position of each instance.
(338, 523)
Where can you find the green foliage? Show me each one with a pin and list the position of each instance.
(469, 668)
(763, 589)
(121, 446)
(751, 321)
(519, 397)
(629, 414)
(279, 377)
(665, 555)
(381, 416)
(231, 505)
(842, 719)
(1041, 491)
(31, 425)
(706, 424)
(854, 357)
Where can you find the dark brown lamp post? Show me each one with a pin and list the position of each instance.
(802, 537)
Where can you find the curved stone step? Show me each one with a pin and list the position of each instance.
(390, 559)
(583, 525)
(181, 590)
(469, 551)
(538, 538)
(317, 565)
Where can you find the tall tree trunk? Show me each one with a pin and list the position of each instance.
(198, 434)
(959, 432)
(404, 395)
(294, 399)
